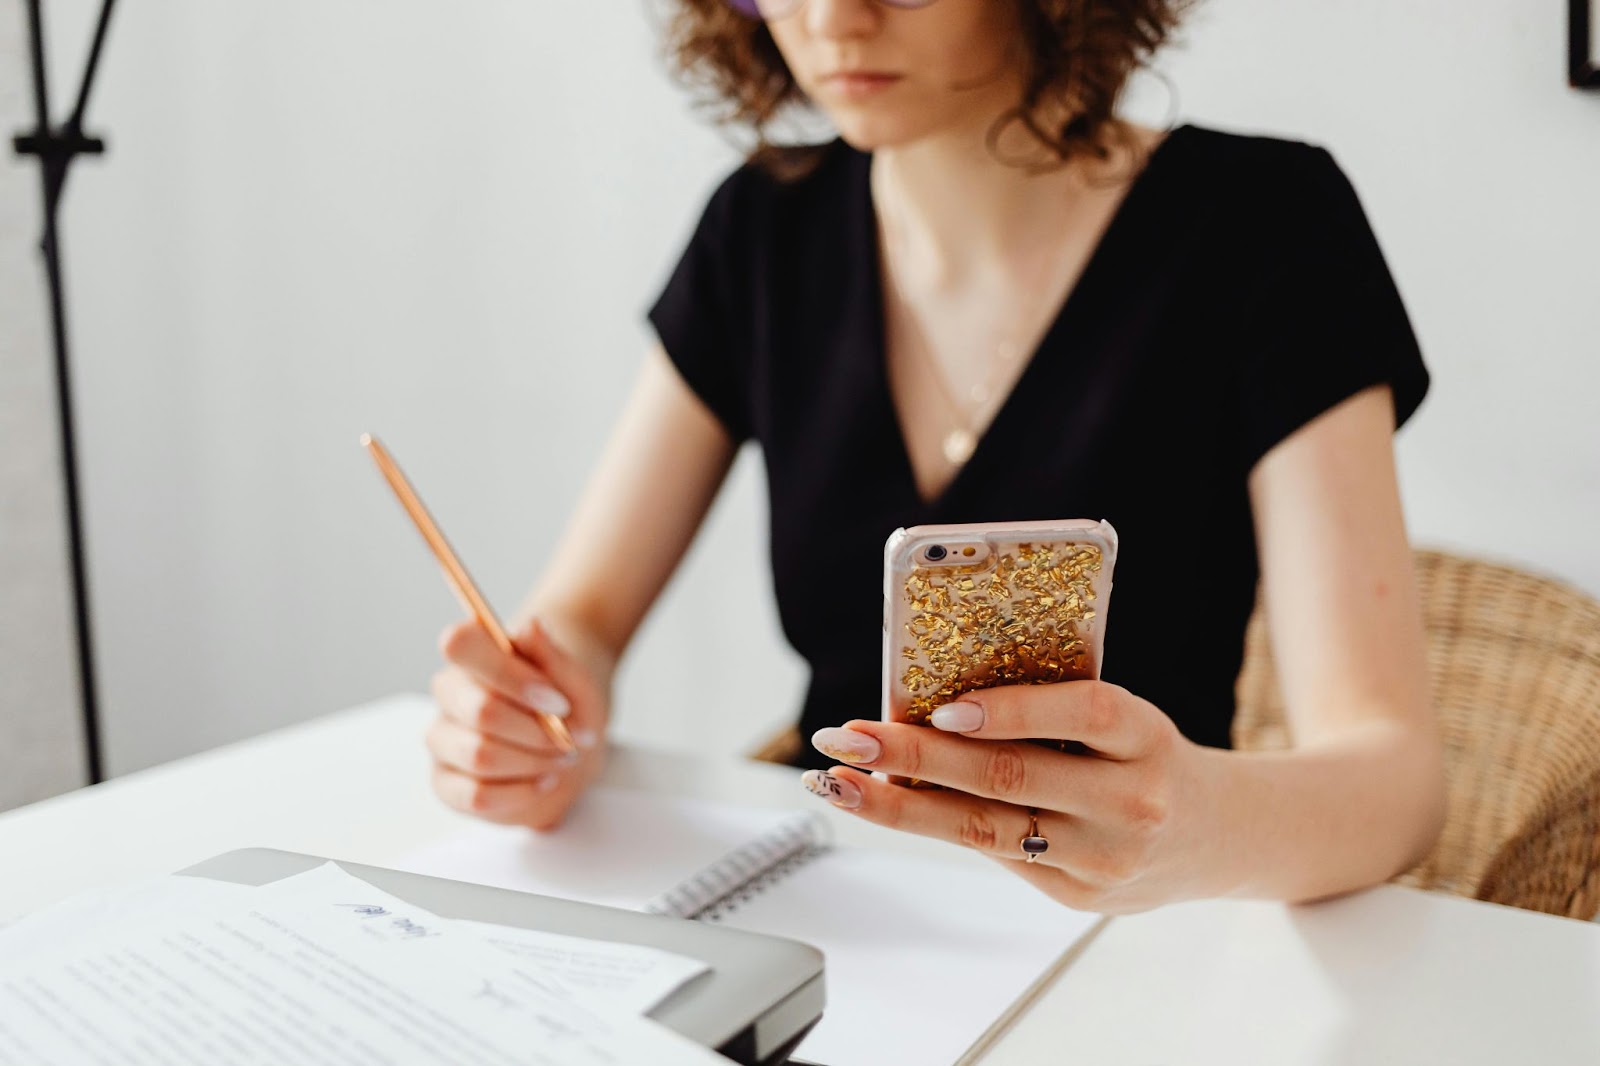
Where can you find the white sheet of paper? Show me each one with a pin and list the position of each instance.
(608, 974)
(321, 969)
(620, 976)
(152, 899)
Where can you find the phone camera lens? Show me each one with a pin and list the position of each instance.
(936, 552)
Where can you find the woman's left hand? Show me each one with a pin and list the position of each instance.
(1125, 822)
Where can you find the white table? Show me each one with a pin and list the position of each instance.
(1386, 976)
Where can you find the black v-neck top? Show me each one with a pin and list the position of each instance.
(1237, 293)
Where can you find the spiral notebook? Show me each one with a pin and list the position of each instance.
(927, 960)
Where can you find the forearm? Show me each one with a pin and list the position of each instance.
(1349, 812)
(666, 459)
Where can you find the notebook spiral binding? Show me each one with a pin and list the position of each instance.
(747, 871)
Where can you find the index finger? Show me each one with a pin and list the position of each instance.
(1108, 718)
(469, 646)
(462, 700)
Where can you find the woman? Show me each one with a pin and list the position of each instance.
(992, 300)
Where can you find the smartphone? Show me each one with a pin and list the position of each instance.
(981, 605)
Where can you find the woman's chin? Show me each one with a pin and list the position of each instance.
(867, 132)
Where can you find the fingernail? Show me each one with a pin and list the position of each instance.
(570, 758)
(542, 697)
(585, 738)
(835, 790)
(547, 782)
(958, 717)
(846, 745)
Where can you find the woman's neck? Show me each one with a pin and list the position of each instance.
(945, 202)
(948, 205)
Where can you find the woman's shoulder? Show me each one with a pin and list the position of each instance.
(1261, 169)
(1254, 151)
(794, 184)
(1259, 194)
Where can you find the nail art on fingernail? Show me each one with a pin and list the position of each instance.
(846, 745)
(542, 697)
(958, 717)
(835, 790)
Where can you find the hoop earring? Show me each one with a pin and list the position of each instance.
(1174, 101)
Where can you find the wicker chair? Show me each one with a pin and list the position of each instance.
(781, 747)
(1515, 661)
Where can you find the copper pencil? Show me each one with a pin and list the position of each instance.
(459, 579)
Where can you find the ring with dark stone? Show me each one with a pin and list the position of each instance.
(1033, 845)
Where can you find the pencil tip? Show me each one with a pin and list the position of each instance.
(366, 440)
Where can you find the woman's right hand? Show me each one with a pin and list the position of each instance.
(492, 757)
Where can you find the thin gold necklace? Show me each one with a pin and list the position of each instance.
(961, 440)
(985, 396)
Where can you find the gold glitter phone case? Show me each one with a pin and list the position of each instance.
(978, 606)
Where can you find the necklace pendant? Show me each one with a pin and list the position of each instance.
(958, 446)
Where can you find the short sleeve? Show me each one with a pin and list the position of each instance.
(702, 315)
(1328, 321)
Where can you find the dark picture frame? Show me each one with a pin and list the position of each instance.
(1583, 53)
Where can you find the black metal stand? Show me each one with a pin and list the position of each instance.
(1583, 65)
(56, 147)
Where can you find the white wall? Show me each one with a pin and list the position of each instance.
(41, 730)
(442, 221)
(1481, 171)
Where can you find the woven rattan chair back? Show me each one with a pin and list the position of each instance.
(1515, 662)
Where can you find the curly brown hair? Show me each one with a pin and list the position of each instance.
(1080, 55)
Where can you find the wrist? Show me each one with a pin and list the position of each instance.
(580, 641)
(1223, 860)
